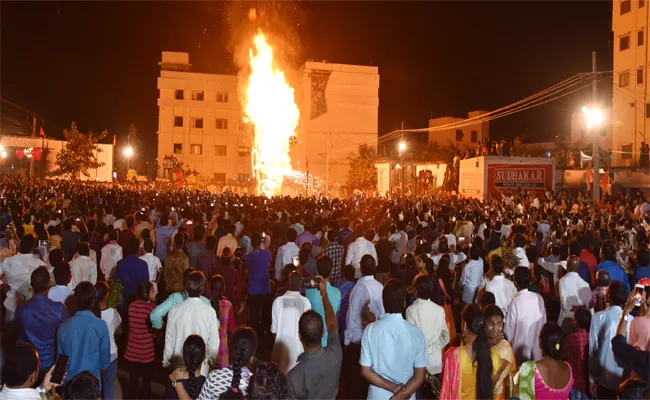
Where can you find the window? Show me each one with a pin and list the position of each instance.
(178, 148)
(626, 149)
(459, 135)
(639, 76)
(220, 177)
(196, 149)
(198, 122)
(222, 123)
(640, 37)
(178, 121)
(244, 151)
(197, 96)
(474, 136)
(641, 3)
(624, 42)
(178, 94)
(219, 150)
(222, 97)
(624, 79)
(647, 110)
(626, 6)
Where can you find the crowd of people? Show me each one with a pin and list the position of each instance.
(524, 295)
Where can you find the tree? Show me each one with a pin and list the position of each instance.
(79, 154)
(363, 173)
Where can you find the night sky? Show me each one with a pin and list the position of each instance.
(96, 63)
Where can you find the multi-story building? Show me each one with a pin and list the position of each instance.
(631, 104)
(465, 137)
(200, 120)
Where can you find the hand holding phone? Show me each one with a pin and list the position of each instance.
(639, 291)
(60, 367)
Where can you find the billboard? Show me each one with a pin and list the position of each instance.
(514, 176)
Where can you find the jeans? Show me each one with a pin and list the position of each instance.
(578, 395)
(110, 375)
(259, 309)
(137, 371)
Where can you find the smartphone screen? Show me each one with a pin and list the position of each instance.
(59, 369)
(638, 294)
(296, 261)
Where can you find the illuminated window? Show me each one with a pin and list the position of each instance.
(222, 97)
(198, 122)
(178, 148)
(219, 150)
(624, 42)
(624, 79)
(244, 151)
(626, 6)
(178, 94)
(222, 123)
(197, 96)
(196, 149)
(178, 121)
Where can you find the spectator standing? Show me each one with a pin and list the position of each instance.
(286, 312)
(165, 229)
(605, 370)
(188, 381)
(70, 237)
(111, 254)
(598, 300)
(316, 376)
(494, 320)
(345, 287)
(574, 293)
(471, 275)
(259, 286)
(209, 261)
(23, 375)
(226, 269)
(577, 350)
(393, 352)
(113, 321)
(140, 345)
(642, 269)
(175, 265)
(82, 267)
(196, 248)
(84, 337)
(335, 252)
(16, 271)
(640, 328)
(39, 319)
(163, 309)
(286, 253)
(191, 317)
(384, 249)
(608, 263)
(131, 271)
(61, 292)
(229, 240)
(225, 313)
(359, 248)
(324, 267)
(503, 289)
(153, 263)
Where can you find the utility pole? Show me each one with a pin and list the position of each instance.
(595, 132)
(31, 159)
(401, 161)
(327, 166)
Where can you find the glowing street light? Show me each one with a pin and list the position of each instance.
(128, 152)
(593, 117)
(4, 154)
(402, 146)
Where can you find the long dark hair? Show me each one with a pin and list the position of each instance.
(243, 344)
(268, 383)
(552, 340)
(193, 357)
(217, 287)
(101, 290)
(474, 320)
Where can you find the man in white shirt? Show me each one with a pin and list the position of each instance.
(228, 241)
(111, 254)
(471, 276)
(574, 293)
(16, 271)
(152, 261)
(503, 289)
(451, 239)
(520, 251)
(455, 257)
(430, 318)
(24, 363)
(400, 241)
(359, 248)
(525, 318)
(82, 267)
(286, 253)
(108, 218)
(191, 317)
(286, 313)
(366, 293)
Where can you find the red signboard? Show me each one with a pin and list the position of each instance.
(510, 177)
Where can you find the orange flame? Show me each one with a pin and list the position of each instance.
(270, 105)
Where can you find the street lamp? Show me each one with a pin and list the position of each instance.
(594, 118)
(128, 152)
(401, 147)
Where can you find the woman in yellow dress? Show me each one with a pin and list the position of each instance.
(494, 326)
(470, 370)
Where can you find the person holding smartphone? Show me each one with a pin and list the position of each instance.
(20, 379)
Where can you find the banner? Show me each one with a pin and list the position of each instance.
(514, 176)
(319, 79)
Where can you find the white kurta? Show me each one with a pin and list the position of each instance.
(503, 291)
(287, 310)
(524, 321)
(430, 318)
(574, 291)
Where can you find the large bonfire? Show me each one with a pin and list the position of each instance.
(269, 104)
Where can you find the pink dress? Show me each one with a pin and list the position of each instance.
(543, 391)
(226, 324)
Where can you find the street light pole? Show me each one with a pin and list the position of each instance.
(595, 133)
(401, 161)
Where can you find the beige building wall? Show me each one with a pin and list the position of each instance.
(350, 120)
(465, 137)
(631, 104)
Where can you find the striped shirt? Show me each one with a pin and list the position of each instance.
(140, 346)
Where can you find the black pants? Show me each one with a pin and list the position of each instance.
(137, 371)
(354, 385)
(259, 310)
